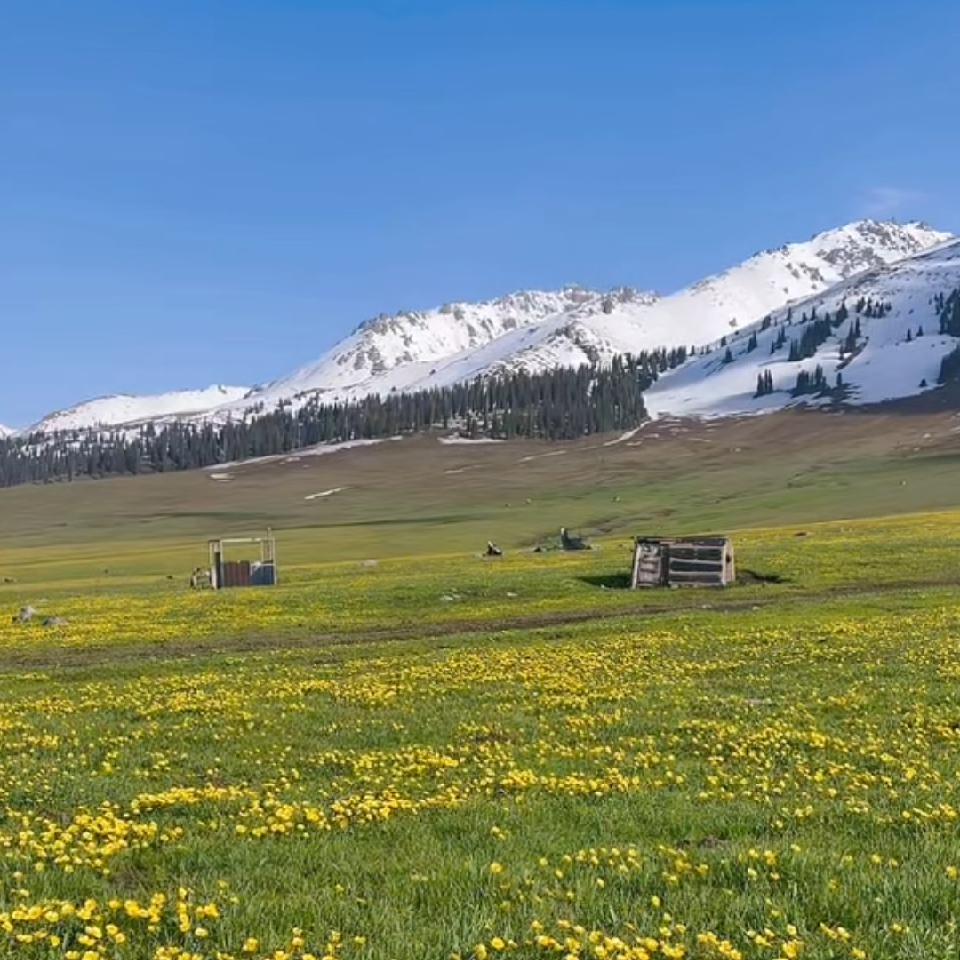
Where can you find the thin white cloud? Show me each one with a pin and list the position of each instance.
(882, 202)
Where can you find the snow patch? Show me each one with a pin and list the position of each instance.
(322, 449)
(324, 493)
(541, 456)
(456, 440)
(122, 409)
(319, 450)
(623, 438)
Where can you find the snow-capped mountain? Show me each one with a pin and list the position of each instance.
(537, 331)
(880, 331)
(407, 349)
(6, 432)
(123, 410)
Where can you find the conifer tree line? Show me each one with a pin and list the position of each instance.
(779, 340)
(948, 312)
(950, 367)
(852, 339)
(764, 384)
(561, 404)
(816, 333)
(807, 382)
(818, 329)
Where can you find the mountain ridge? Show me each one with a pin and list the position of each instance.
(532, 330)
(600, 323)
(123, 409)
(887, 346)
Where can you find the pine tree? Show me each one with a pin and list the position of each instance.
(950, 367)
(560, 404)
(764, 383)
(949, 314)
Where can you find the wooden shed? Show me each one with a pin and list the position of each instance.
(682, 562)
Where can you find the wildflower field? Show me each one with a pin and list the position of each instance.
(442, 757)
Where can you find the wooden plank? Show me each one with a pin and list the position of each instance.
(696, 580)
(702, 553)
(694, 574)
(647, 569)
(696, 571)
(683, 563)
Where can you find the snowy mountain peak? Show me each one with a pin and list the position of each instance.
(623, 321)
(873, 337)
(844, 251)
(536, 330)
(870, 243)
(124, 409)
(383, 353)
(514, 308)
(6, 432)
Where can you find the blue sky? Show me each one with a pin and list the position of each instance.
(197, 192)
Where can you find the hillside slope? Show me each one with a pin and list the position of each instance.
(897, 352)
(532, 330)
(124, 409)
(401, 351)
(538, 331)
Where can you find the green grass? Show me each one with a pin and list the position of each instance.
(441, 755)
(417, 496)
(132, 613)
(809, 730)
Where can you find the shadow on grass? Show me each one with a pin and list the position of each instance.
(610, 581)
(621, 581)
(752, 576)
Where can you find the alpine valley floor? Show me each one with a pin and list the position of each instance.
(437, 755)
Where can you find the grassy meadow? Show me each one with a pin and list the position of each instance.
(406, 751)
